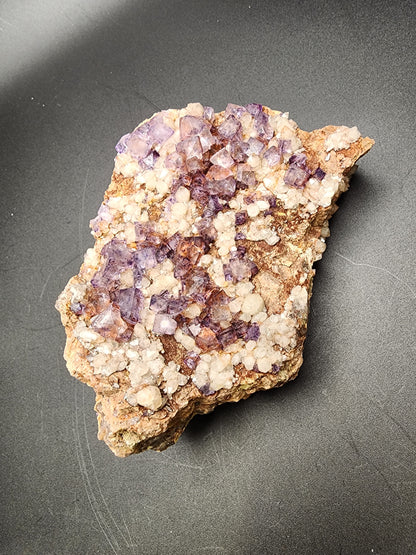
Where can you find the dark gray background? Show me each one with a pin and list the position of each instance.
(325, 464)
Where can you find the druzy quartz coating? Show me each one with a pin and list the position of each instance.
(177, 255)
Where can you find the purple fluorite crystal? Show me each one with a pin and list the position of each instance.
(241, 217)
(190, 147)
(254, 146)
(222, 158)
(198, 286)
(176, 306)
(262, 125)
(103, 215)
(206, 390)
(157, 131)
(229, 128)
(273, 156)
(227, 337)
(118, 257)
(159, 303)
(208, 113)
(298, 173)
(182, 267)
(252, 333)
(109, 324)
(284, 146)
(130, 303)
(77, 308)
(213, 206)
(135, 145)
(145, 258)
(224, 188)
(191, 360)
(190, 125)
(150, 160)
(296, 177)
(234, 110)
(254, 109)
(246, 176)
(319, 174)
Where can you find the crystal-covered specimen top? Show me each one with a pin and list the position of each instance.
(172, 293)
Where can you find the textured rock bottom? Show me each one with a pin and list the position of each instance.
(197, 290)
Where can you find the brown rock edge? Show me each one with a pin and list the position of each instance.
(127, 429)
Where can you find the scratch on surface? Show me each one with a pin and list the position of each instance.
(216, 452)
(84, 473)
(59, 267)
(81, 216)
(42, 429)
(397, 423)
(95, 472)
(144, 97)
(361, 455)
(378, 268)
(45, 284)
(212, 548)
(131, 544)
(163, 455)
(2, 20)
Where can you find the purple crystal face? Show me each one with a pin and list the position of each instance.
(118, 258)
(215, 163)
(190, 126)
(284, 146)
(252, 333)
(246, 177)
(298, 173)
(103, 215)
(230, 128)
(136, 145)
(121, 145)
(110, 325)
(150, 160)
(254, 109)
(319, 174)
(77, 308)
(208, 113)
(234, 110)
(130, 303)
(275, 368)
(145, 258)
(142, 140)
(206, 390)
(157, 131)
(222, 158)
(273, 156)
(224, 188)
(159, 303)
(296, 177)
(241, 217)
(254, 146)
(191, 360)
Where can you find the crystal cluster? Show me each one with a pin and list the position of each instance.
(186, 272)
(196, 291)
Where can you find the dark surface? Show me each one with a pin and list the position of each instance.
(327, 463)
